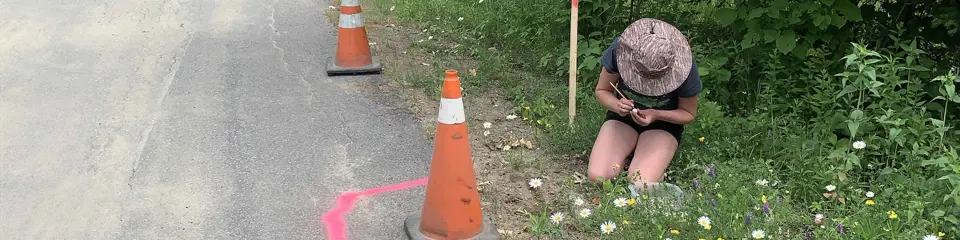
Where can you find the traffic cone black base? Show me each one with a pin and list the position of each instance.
(487, 232)
(333, 69)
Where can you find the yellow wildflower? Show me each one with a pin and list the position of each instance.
(631, 202)
(625, 222)
(719, 238)
(701, 139)
(675, 231)
(892, 214)
(700, 194)
(763, 198)
(940, 234)
(707, 227)
(870, 202)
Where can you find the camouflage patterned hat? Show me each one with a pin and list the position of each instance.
(654, 57)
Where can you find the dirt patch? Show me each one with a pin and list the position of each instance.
(503, 173)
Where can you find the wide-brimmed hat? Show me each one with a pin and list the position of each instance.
(653, 57)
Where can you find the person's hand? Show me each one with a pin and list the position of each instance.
(644, 117)
(624, 106)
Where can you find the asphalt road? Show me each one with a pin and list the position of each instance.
(191, 120)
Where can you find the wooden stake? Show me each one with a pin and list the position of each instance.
(573, 59)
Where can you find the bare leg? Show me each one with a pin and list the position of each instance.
(654, 151)
(614, 143)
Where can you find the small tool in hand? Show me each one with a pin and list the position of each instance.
(625, 96)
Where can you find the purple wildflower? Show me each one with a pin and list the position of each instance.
(766, 207)
(713, 171)
(713, 201)
(748, 219)
(696, 183)
(840, 228)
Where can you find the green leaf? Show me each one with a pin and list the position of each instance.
(821, 21)
(850, 59)
(773, 13)
(951, 90)
(769, 35)
(827, 2)
(756, 12)
(952, 219)
(725, 16)
(747, 42)
(720, 61)
(939, 162)
(937, 213)
(787, 41)
(853, 126)
(838, 20)
(854, 159)
(778, 5)
(894, 132)
(856, 114)
(846, 89)
(849, 10)
(871, 72)
(801, 49)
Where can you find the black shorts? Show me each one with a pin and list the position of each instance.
(674, 129)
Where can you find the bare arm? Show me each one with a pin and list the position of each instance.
(607, 96)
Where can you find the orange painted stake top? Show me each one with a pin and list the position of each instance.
(451, 209)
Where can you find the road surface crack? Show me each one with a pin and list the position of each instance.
(283, 57)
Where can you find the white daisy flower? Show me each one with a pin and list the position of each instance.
(511, 117)
(578, 201)
(830, 188)
(758, 234)
(620, 202)
(870, 194)
(859, 144)
(535, 182)
(556, 217)
(762, 182)
(608, 227)
(507, 147)
(487, 125)
(585, 213)
(931, 237)
(703, 221)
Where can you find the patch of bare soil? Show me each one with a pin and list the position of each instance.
(503, 173)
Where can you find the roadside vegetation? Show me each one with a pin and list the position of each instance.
(826, 119)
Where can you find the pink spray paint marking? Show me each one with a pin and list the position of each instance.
(333, 219)
(576, 3)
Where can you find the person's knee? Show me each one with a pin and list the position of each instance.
(599, 175)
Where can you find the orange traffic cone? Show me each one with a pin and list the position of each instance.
(353, 49)
(451, 209)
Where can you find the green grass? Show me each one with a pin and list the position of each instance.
(795, 154)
